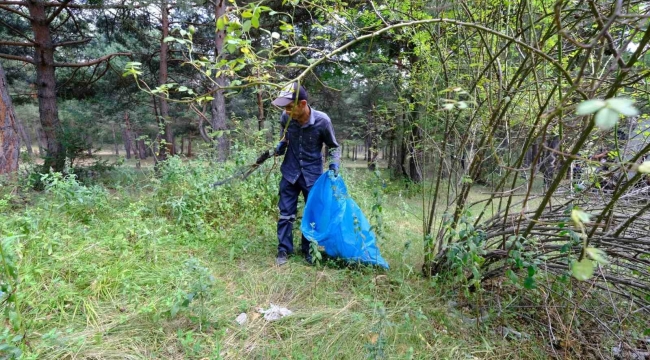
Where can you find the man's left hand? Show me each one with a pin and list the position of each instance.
(334, 168)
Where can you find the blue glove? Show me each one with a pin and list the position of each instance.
(334, 168)
(280, 149)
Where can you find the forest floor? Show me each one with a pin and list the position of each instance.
(146, 268)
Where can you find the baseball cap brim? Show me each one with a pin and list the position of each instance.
(282, 101)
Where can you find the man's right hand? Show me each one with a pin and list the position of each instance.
(280, 148)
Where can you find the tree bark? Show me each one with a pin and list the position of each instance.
(260, 114)
(25, 136)
(42, 142)
(117, 149)
(163, 118)
(9, 137)
(189, 145)
(46, 85)
(218, 118)
(128, 136)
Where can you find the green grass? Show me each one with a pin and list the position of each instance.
(104, 272)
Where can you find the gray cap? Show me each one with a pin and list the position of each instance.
(288, 95)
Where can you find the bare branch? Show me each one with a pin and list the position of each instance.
(15, 57)
(19, 13)
(72, 42)
(57, 12)
(16, 43)
(16, 31)
(91, 62)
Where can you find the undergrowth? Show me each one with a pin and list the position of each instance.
(159, 265)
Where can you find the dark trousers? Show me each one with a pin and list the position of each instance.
(288, 206)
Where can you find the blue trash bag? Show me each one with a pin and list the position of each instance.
(335, 222)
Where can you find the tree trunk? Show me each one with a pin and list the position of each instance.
(128, 136)
(42, 142)
(9, 137)
(46, 84)
(218, 119)
(159, 152)
(415, 173)
(117, 150)
(189, 145)
(89, 143)
(180, 150)
(163, 118)
(260, 114)
(25, 136)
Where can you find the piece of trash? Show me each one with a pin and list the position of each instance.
(241, 319)
(274, 312)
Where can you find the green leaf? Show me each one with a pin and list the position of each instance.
(583, 270)
(597, 254)
(623, 106)
(644, 168)
(531, 271)
(606, 118)
(246, 26)
(529, 283)
(168, 39)
(590, 106)
(247, 14)
(580, 217)
(220, 24)
(255, 21)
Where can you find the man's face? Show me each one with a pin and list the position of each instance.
(296, 110)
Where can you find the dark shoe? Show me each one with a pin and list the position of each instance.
(309, 259)
(281, 259)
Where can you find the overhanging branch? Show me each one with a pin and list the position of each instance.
(16, 31)
(91, 62)
(16, 43)
(72, 42)
(15, 57)
(17, 12)
(57, 12)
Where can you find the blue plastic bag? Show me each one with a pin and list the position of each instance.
(335, 222)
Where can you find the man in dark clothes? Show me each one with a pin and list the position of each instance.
(304, 131)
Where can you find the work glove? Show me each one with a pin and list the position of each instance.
(280, 149)
(334, 169)
(265, 155)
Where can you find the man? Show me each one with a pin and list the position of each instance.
(304, 131)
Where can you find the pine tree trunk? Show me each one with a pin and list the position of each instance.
(128, 139)
(218, 118)
(89, 143)
(46, 84)
(117, 149)
(25, 136)
(42, 142)
(415, 161)
(163, 118)
(9, 137)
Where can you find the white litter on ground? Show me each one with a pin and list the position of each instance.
(241, 319)
(274, 312)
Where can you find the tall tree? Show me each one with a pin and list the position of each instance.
(47, 36)
(9, 138)
(218, 119)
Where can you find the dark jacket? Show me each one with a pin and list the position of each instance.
(304, 145)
